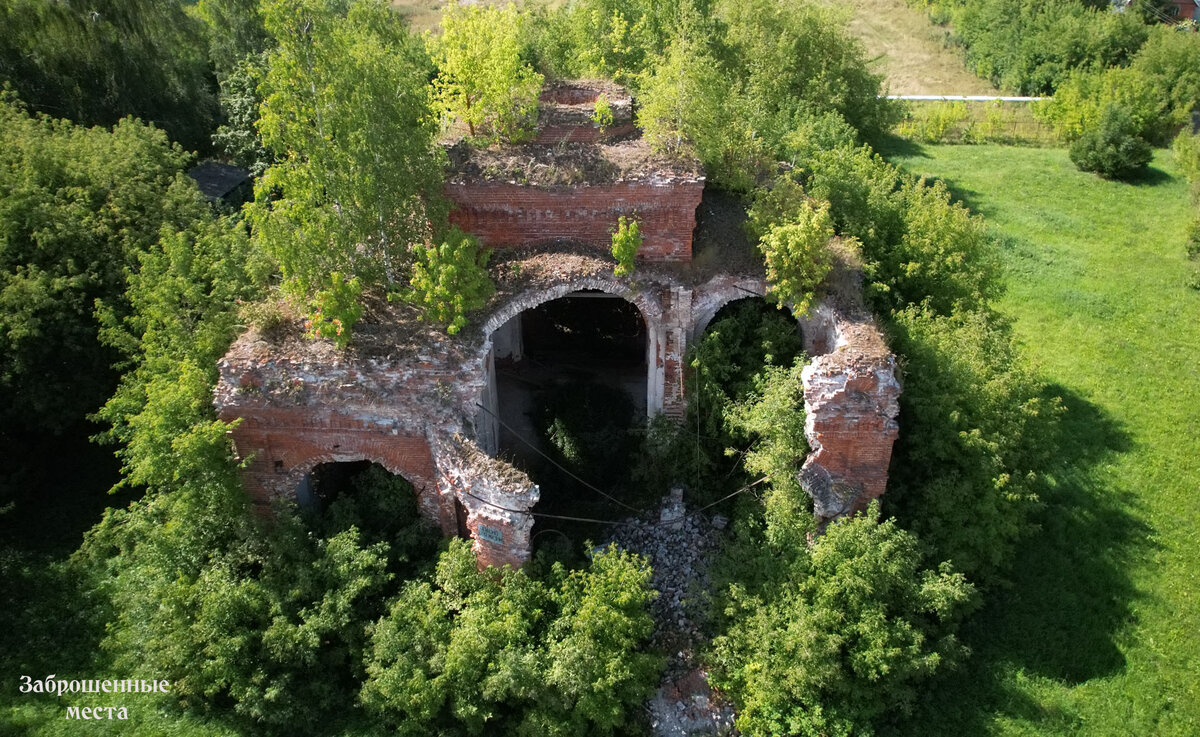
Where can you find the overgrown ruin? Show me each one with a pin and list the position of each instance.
(427, 406)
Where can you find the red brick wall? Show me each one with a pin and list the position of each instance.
(513, 215)
(286, 444)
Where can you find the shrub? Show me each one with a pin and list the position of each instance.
(964, 472)
(626, 240)
(482, 79)
(502, 653)
(450, 279)
(798, 257)
(934, 123)
(335, 310)
(842, 637)
(602, 112)
(1113, 149)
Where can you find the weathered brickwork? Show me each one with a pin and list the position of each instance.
(424, 405)
(504, 215)
(422, 413)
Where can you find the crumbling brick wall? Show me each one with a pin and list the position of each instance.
(503, 214)
(418, 409)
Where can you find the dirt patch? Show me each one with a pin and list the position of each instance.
(909, 50)
(564, 164)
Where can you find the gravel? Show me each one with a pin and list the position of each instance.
(679, 547)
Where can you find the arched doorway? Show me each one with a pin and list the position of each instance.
(571, 389)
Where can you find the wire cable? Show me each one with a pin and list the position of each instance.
(615, 523)
(557, 465)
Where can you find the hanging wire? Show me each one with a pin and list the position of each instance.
(617, 523)
(557, 465)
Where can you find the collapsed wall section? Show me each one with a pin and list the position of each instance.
(851, 400)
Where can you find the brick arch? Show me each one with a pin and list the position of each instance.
(713, 297)
(648, 304)
(650, 307)
(310, 463)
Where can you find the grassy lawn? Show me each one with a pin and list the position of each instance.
(1099, 632)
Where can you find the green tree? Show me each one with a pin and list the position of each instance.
(482, 79)
(358, 177)
(844, 636)
(449, 279)
(1113, 149)
(797, 256)
(77, 206)
(977, 434)
(235, 31)
(97, 61)
(773, 417)
(238, 136)
(499, 652)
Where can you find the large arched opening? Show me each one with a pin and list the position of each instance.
(571, 382)
(381, 506)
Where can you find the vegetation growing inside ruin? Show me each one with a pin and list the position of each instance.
(120, 282)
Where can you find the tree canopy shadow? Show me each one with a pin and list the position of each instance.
(1149, 176)
(1068, 595)
(890, 145)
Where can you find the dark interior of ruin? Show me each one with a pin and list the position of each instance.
(571, 391)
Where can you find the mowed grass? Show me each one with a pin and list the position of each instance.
(1099, 632)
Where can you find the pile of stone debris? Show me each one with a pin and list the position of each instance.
(679, 547)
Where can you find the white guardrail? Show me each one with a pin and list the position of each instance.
(965, 98)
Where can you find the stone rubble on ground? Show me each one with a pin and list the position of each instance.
(679, 547)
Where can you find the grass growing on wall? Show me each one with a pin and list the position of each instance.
(1098, 633)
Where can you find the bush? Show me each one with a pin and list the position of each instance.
(748, 337)
(486, 653)
(964, 472)
(626, 240)
(844, 636)
(1112, 148)
(798, 257)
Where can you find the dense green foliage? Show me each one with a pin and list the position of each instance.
(738, 93)
(471, 653)
(356, 188)
(1187, 156)
(238, 137)
(482, 79)
(97, 61)
(449, 278)
(1157, 90)
(968, 401)
(1030, 47)
(842, 635)
(77, 207)
(587, 426)
(746, 338)
(797, 256)
(1112, 148)
(346, 111)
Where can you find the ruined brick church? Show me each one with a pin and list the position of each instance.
(432, 407)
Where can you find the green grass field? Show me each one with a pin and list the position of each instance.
(1099, 632)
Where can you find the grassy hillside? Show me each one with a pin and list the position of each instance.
(1098, 633)
(908, 50)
